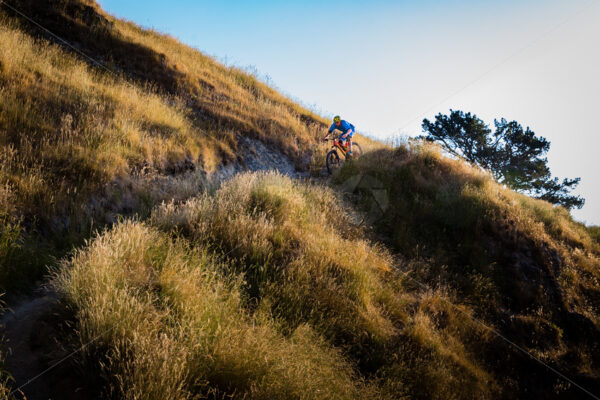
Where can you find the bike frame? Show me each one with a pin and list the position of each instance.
(338, 145)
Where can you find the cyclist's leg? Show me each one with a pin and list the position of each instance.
(350, 141)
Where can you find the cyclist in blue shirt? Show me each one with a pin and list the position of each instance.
(346, 128)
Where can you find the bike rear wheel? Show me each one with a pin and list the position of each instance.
(356, 150)
(333, 161)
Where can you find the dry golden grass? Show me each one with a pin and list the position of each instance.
(304, 263)
(501, 252)
(11, 234)
(276, 225)
(66, 129)
(177, 327)
(82, 125)
(249, 292)
(437, 347)
(295, 302)
(230, 94)
(70, 131)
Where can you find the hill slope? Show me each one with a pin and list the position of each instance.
(254, 299)
(79, 142)
(523, 266)
(201, 281)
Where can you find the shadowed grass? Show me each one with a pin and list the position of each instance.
(519, 262)
(5, 380)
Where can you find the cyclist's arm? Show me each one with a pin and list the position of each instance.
(331, 129)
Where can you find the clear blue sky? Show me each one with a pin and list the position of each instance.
(386, 65)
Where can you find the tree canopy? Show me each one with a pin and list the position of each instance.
(516, 157)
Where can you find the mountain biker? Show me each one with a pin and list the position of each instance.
(346, 128)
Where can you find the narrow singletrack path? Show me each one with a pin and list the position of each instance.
(30, 339)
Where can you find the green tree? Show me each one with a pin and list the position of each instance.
(516, 157)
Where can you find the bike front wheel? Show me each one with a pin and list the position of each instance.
(333, 161)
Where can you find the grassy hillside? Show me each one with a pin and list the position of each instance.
(523, 265)
(219, 99)
(79, 145)
(264, 286)
(288, 259)
(67, 131)
(252, 291)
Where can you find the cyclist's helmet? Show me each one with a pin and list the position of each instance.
(336, 119)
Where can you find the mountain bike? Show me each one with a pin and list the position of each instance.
(332, 159)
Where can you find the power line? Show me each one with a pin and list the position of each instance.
(61, 361)
(59, 38)
(100, 64)
(502, 62)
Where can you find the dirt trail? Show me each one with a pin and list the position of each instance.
(28, 335)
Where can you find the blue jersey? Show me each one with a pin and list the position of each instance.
(344, 126)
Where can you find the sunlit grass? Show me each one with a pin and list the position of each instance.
(177, 327)
(232, 95)
(302, 260)
(65, 125)
(69, 130)
(261, 290)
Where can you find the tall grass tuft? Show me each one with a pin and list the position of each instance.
(283, 238)
(174, 326)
